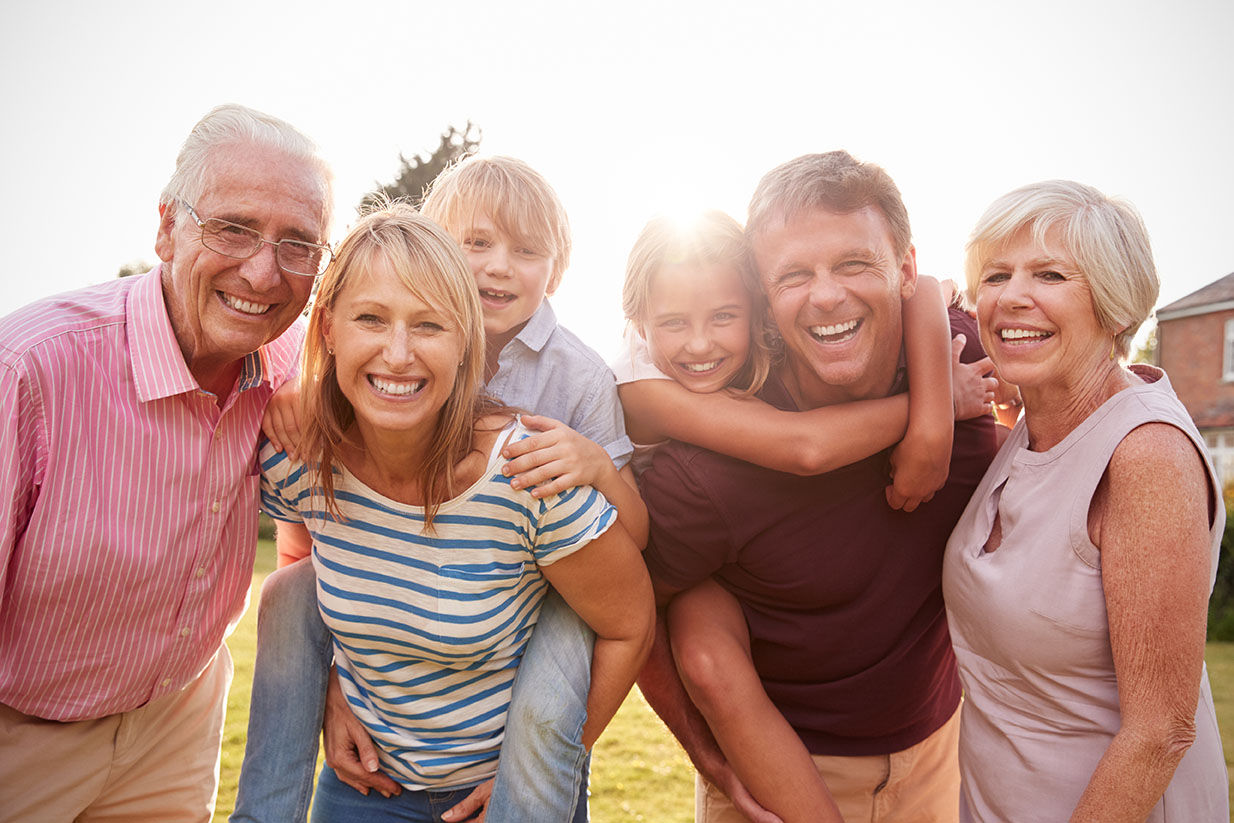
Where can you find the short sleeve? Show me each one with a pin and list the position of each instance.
(601, 420)
(20, 464)
(283, 484)
(634, 362)
(690, 537)
(568, 521)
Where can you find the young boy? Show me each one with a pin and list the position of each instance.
(516, 236)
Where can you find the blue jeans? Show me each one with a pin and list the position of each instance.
(294, 653)
(542, 776)
(336, 802)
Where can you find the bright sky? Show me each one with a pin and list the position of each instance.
(628, 109)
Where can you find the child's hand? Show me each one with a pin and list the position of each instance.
(281, 422)
(556, 459)
(918, 469)
(972, 384)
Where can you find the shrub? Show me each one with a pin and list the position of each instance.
(1221, 605)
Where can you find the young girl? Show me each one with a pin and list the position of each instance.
(696, 353)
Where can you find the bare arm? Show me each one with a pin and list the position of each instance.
(921, 461)
(804, 443)
(607, 585)
(1155, 567)
(557, 458)
(293, 542)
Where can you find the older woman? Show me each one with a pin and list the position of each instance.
(430, 566)
(1077, 579)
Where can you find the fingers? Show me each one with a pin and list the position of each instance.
(983, 366)
(539, 422)
(473, 802)
(957, 346)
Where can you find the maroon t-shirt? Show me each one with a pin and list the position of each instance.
(842, 593)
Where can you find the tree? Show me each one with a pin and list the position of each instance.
(1146, 353)
(135, 267)
(416, 173)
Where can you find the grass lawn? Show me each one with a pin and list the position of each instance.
(639, 773)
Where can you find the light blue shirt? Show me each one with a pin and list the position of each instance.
(546, 370)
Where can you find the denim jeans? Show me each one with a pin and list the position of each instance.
(294, 653)
(336, 802)
(542, 775)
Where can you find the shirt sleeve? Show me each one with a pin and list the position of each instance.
(601, 420)
(568, 521)
(691, 537)
(283, 484)
(20, 464)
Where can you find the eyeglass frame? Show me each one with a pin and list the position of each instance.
(278, 244)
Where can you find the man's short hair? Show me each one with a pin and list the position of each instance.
(513, 195)
(232, 124)
(1103, 235)
(836, 182)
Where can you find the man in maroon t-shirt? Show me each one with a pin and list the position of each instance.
(841, 593)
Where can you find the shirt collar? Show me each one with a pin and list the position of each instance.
(159, 369)
(539, 328)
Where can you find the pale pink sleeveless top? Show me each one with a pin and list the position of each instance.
(1031, 636)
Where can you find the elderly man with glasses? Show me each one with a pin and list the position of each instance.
(129, 415)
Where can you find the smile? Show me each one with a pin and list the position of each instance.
(244, 306)
(699, 368)
(837, 333)
(395, 388)
(1016, 335)
(497, 296)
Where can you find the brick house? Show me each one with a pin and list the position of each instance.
(1195, 345)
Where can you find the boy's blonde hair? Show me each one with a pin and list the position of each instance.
(713, 237)
(430, 264)
(513, 195)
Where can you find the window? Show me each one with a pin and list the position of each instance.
(1221, 445)
(1227, 360)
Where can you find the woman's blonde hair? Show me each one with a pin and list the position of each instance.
(431, 266)
(712, 237)
(1103, 235)
(513, 195)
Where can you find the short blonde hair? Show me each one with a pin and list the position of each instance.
(713, 237)
(1105, 236)
(431, 266)
(834, 181)
(516, 197)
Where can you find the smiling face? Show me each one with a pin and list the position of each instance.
(396, 356)
(512, 275)
(834, 285)
(698, 324)
(221, 308)
(1035, 312)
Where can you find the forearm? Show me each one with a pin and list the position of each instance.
(1132, 775)
(615, 664)
(621, 489)
(927, 332)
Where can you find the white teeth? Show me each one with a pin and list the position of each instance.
(1022, 334)
(397, 389)
(830, 331)
(700, 367)
(244, 305)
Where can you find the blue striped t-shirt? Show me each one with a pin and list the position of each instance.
(428, 629)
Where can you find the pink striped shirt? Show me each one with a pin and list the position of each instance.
(128, 501)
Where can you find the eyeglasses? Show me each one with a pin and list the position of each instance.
(241, 242)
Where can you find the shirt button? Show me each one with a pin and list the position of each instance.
(184, 632)
(214, 507)
(201, 573)
(166, 682)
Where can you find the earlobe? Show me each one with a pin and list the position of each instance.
(164, 241)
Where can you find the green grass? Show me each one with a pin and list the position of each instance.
(639, 773)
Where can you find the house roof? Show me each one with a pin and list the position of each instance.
(1218, 294)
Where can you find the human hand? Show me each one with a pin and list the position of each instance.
(555, 459)
(348, 747)
(721, 775)
(972, 384)
(475, 802)
(917, 471)
(281, 421)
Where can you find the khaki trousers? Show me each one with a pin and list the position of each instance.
(155, 764)
(918, 785)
